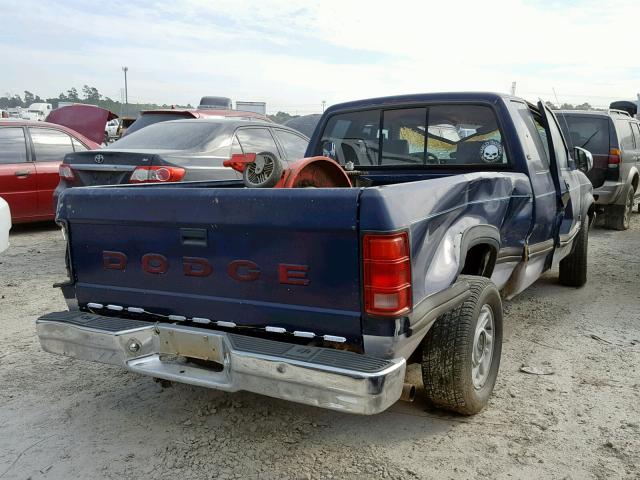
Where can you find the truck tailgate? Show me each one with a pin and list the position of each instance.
(280, 258)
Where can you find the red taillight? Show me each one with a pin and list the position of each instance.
(386, 274)
(239, 161)
(614, 157)
(66, 172)
(157, 174)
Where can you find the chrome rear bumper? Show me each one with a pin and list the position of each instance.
(322, 377)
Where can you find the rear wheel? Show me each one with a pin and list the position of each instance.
(573, 268)
(618, 217)
(461, 352)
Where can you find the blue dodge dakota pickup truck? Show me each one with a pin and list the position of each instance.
(323, 295)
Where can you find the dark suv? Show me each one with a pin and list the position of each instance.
(613, 138)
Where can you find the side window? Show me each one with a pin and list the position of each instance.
(294, 145)
(625, 135)
(257, 140)
(558, 143)
(50, 145)
(636, 134)
(535, 138)
(235, 146)
(77, 146)
(13, 148)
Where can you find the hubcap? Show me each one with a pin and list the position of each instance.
(482, 347)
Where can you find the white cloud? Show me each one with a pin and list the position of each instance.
(251, 50)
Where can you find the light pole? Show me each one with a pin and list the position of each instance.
(324, 103)
(126, 93)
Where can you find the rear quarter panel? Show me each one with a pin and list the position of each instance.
(437, 212)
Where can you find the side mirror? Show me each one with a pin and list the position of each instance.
(583, 159)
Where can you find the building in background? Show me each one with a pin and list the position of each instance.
(256, 107)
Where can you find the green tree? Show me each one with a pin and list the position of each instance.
(282, 117)
(91, 94)
(72, 95)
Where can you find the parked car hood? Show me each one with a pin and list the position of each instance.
(87, 120)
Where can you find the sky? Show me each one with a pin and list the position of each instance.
(295, 55)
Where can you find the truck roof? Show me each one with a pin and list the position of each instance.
(420, 98)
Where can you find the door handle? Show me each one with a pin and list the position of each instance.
(22, 173)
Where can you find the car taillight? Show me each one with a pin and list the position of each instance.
(157, 174)
(66, 172)
(614, 157)
(386, 274)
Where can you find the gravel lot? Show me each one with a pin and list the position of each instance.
(67, 419)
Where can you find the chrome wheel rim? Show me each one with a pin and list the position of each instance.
(483, 341)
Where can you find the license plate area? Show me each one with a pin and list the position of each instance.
(191, 344)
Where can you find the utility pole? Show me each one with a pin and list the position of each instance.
(324, 103)
(126, 93)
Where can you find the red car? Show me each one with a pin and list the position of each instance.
(30, 154)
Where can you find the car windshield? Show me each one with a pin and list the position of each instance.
(436, 135)
(151, 118)
(586, 131)
(184, 135)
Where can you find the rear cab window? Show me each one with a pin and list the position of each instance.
(444, 134)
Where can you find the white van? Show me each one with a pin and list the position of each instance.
(38, 111)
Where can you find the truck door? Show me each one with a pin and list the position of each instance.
(566, 181)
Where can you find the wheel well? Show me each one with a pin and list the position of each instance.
(480, 260)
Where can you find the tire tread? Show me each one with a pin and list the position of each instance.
(573, 268)
(445, 355)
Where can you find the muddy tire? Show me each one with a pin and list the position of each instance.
(461, 352)
(573, 268)
(618, 217)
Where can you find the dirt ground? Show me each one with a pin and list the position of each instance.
(67, 419)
